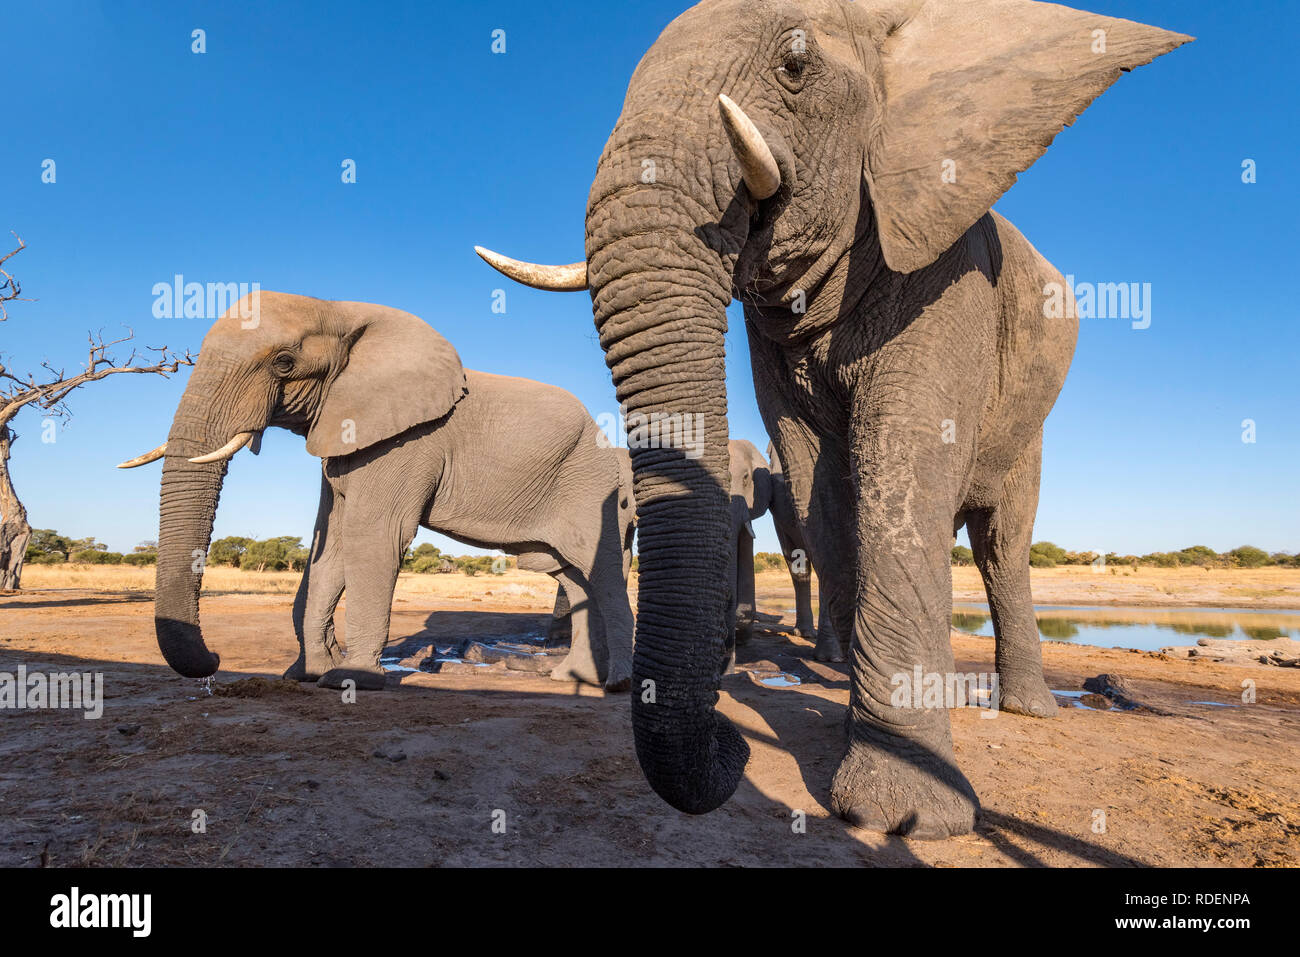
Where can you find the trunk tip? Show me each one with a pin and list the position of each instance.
(181, 644)
(694, 782)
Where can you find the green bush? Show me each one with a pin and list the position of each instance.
(94, 556)
(228, 551)
(47, 547)
(1248, 556)
(961, 555)
(1199, 555)
(1046, 555)
(274, 554)
(766, 561)
(140, 558)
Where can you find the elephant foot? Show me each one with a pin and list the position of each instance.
(583, 672)
(620, 677)
(366, 679)
(745, 633)
(920, 794)
(828, 648)
(1027, 695)
(302, 670)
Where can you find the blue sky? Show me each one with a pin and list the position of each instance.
(226, 167)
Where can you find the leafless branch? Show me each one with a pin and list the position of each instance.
(17, 392)
(10, 289)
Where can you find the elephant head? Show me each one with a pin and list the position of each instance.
(751, 484)
(347, 375)
(790, 153)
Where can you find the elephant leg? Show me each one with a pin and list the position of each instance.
(899, 774)
(372, 559)
(744, 585)
(803, 619)
(1000, 538)
(319, 593)
(580, 663)
(794, 548)
(825, 627)
(609, 589)
(820, 482)
(561, 628)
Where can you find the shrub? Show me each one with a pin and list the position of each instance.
(140, 558)
(765, 561)
(47, 547)
(274, 554)
(228, 551)
(1199, 555)
(94, 556)
(961, 555)
(1046, 555)
(1248, 556)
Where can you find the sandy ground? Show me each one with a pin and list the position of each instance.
(418, 774)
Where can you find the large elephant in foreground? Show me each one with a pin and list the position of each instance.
(407, 437)
(832, 164)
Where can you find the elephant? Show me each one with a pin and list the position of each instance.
(406, 437)
(792, 535)
(833, 166)
(560, 629)
(758, 488)
(751, 497)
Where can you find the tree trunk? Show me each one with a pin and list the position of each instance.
(14, 530)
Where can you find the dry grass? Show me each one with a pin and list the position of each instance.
(1068, 585)
(515, 586)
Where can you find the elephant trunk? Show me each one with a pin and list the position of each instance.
(660, 292)
(188, 505)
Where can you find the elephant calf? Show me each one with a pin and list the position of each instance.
(407, 437)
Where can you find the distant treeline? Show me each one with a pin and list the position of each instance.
(48, 547)
(286, 553)
(283, 553)
(1050, 555)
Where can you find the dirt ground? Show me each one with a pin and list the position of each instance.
(418, 775)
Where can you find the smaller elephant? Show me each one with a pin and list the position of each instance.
(407, 437)
(794, 541)
(751, 497)
(560, 630)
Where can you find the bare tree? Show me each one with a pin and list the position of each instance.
(49, 392)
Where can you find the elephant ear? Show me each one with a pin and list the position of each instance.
(973, 93)
(399, 374)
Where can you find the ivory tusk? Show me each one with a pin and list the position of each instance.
(145, 459)
(757, 164)
(571, 278)
(226, 451)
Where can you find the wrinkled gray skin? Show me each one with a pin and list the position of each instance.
(560, 629)
(407, 437)
(896, 125)
(792, 535)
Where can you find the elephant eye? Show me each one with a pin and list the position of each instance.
(792, 71)
(282, 364)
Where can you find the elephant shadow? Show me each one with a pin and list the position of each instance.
(814, 733)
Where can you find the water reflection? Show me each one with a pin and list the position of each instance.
(1148, 629)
